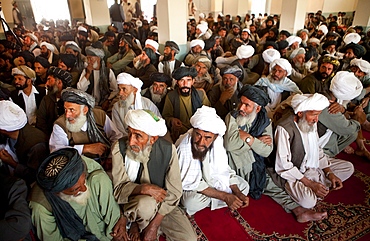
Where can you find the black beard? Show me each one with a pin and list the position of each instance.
(167, 57)
(122, 50)
(45, 55)
(21, 87)
(199, 155)
(184, 93)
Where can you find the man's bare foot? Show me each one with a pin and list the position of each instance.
(134, 233)
(349, 150)
(304, 215)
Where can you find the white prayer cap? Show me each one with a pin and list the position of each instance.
(32, 36)
(12, 116)
(283, 63)
(247, 30)
(82, 29)
(307, 102)
(345, 85)
(362, 64)
(203, 28)
(201, 15)
(139, 23)
(206, 119)
(314, 40)
(152, 43)
(196, 42)
(48, 46)
(127, 79)
(292, 39)
(296, 52)
(244, 51)
(352, 38)
(324, 29)
(25, 71)
(270, 55)
(154, 29)
(146, 121)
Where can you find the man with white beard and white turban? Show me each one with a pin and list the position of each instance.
(260, 63)
(278, 86)
(301, 167)
(146, 180)
(129, 99)
(207, 179)
(196, 50)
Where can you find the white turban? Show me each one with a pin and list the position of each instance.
(324, 29)
(32, 36)
(247, 30)
(314, 40)
(292, 39)
(206, 119)
(345, 86)
(352, 38)
(154, 29)
(146, 121)
(48, 46)
(283, 63)
(244, 52)
(201, 15)
(196, 42)
(25, 71)
(362, 64)
(12, 116)
(270, 55)
(307, 102)
(82, 29)
(296, 52)
(152, 43)
(127, 79)
(73, 45)
(203, 28)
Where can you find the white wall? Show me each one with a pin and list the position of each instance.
(315, 5)
(97, 13)
(338, 6)
(276, 6)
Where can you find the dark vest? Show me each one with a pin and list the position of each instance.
(296, 148)
(259, 66)
(158, 163)
(196, 101)
(159, 105)
(18, 99)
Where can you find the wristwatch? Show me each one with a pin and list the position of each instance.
(248, 139)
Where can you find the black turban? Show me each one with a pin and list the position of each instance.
(161, 77)
(68, 59)
(127, 38)
(78, 96)
(282, 44)
(234, 70)
(151, 54)
(44, 62)
(180, 72)
(284, 32)
(255, 94)
(27, 55)
(358, 50)
(173, 46)
(67, 37)
(209, 43)
(328, 43)
(271, 43)
(63, 75)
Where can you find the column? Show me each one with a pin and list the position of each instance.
(293, 13)
(97, 13)
(268, 7)
(172, 19)
(362, 17)
(216, 8)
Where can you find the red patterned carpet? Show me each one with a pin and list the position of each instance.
(348, 215)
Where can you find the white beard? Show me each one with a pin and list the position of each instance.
(138, 64)
(246, 120)
(156, 98)
(79, 122)
(128, 101)
(304, 126)
(81, 198)
(142, 156)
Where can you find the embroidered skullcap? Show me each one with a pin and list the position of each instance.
(297, 52)
(292, 39)
(73, 45)
(32, 36)
(63, 75)
(12, 116)
(90, 50)
(183, 71)
(152, 43)
(196, 42)
(270, 55)
(68, 59)
(44, 62)
(160, 77)
(357, 49)
(247, 30)
(203, 28)
(324, 29)
(352, 38)
(244, 52)
(48, 46)
(172, 45)
(146, 121)
(282, 44)
(314, 40)
(78, 96)
(307, 102)
(203, 59)
(206, 119)
(362, 64)
(127, 79)
(345, 85)
(283, 63)
(234, 70)
(255, 94)
(25, 71)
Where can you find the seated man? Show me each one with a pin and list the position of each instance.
(130, 99)
(73, 200)
(248, 138)
(146, 179)
(88, 130)
(123, 57)
(301, 167)
(207, 179)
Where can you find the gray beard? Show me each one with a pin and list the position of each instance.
(155, 97)
(223, 87)
(246, 120)
(128, 101)
(80, 199)
(52, 90)
(142, 156)
(76, 127)
(304, 126)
